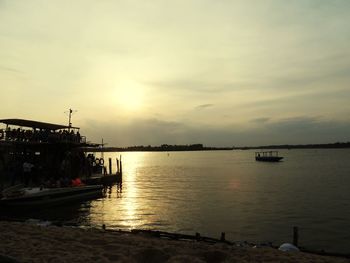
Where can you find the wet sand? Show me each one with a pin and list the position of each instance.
(23, 242)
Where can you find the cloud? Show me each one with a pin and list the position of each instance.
(9, 69)
(260, 120)
(203, 106)
(297, 121)
(298, 130)
(304, 130)
(138, 132)
(193, 86)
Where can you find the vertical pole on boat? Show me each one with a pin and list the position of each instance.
(70, 119)
(110, 165)
(102, 152)
(295, 236)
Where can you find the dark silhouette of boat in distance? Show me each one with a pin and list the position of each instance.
(269, 156)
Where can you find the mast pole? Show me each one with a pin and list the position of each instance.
(70, 118)
(70, 112)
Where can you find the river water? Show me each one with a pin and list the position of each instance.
(228, 191)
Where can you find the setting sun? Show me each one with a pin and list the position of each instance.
(130, 95)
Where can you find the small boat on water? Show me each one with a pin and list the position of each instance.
(268, 156)
(19, 196)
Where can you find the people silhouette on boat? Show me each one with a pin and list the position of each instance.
(28, 172)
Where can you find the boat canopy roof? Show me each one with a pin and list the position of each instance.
(35, 124)
(267, 153)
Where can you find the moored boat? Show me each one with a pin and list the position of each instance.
(268, 156)
(38, 196)
(43, 160)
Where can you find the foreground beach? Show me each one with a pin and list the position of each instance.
(23, 242)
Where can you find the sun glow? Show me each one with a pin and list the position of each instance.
(130, 95)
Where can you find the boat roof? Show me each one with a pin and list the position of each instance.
(35, 124)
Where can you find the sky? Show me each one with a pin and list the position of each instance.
(216, 72)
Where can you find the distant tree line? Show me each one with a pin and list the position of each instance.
(336, 145)
(162, 148)
(200, 147)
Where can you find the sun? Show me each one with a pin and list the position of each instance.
(130, 95)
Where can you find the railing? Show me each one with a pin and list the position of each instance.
(20, 135)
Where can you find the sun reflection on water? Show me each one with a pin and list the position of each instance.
(125, 213)
(130, 206)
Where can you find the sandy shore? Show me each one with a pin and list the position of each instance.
(25, 242)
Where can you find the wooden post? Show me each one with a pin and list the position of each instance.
(222, 238)
(120, 164)
(110, 165)
(295, 236)
(117, 161)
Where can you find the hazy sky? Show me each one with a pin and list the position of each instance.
(217, 72)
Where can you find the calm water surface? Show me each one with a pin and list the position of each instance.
(228, 191)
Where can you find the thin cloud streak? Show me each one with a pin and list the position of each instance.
(203, 106)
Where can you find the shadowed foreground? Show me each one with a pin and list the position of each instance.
(21, 242)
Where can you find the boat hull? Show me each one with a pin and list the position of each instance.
(51, 197)
(105, 180)
(268, 158)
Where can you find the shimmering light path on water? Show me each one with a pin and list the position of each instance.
(228, 191)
